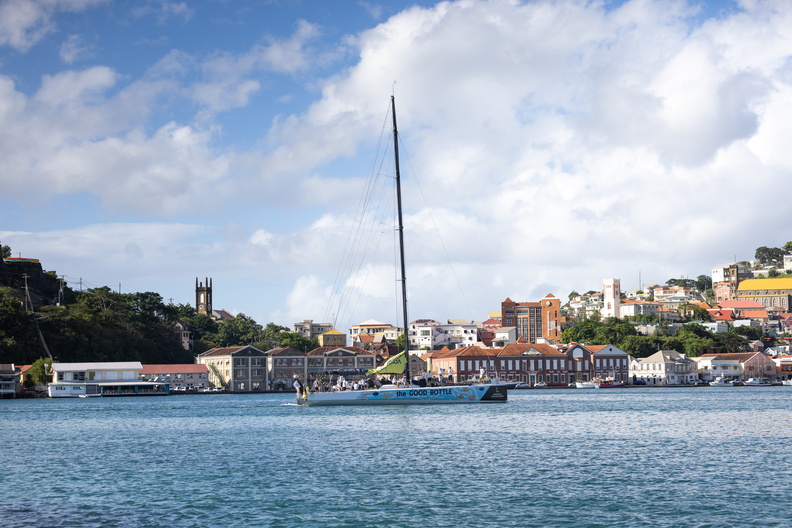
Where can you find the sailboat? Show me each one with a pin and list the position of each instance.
(408, 394)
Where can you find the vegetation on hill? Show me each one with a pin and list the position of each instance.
(690, 339)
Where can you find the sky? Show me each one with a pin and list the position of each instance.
(545, 146)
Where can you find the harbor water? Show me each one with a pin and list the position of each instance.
(660, 457)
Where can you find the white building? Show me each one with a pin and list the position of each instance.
(431, 335)
(712, 367)
(121, 378)
(666, 367)
(373, 327)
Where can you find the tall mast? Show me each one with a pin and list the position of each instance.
(401, 243)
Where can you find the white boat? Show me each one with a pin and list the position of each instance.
(756, 382)
(720, 382)
(787, 383)
(390, 395)
(586, 385)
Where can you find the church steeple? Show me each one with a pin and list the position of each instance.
(203, 297)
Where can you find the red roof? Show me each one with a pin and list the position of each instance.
(184, 368)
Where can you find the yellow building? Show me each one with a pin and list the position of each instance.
(332, 338)
(770, 292)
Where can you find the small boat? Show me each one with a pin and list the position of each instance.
(787, 383)
(756, 382)
(720, 382)
(390, 394)
(586, 385)
(610, 384)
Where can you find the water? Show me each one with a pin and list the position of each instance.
(670, 457)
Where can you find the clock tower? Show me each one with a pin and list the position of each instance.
(203, 297)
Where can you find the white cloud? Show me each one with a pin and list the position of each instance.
(74, 49)
(25, 22)
(163, 11)
(557, 143)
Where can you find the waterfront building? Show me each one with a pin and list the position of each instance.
(325, 362)
(181, 377)
(711, 366)
(119, 378)
(310, 330)
(283, 364)
(534, 363)
(665, 367)
(534, 320)
(237, 369)
(783, 366)
(8, 385)
(752, 364)
(609, 362)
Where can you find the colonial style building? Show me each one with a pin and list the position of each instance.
(283, 364)
(238, 369)
(666, 367)
(324, 362)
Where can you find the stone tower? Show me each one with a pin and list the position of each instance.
(611, 298)
(203, 297)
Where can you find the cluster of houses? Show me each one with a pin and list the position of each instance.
(248, 369)
(520, 342)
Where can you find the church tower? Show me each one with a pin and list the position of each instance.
(611, 298)
(203, 297)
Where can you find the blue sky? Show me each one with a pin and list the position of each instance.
(556, 143)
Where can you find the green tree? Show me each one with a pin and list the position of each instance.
(788, 247)
(40, 371)
(5, 251)
(613, 331)
(239, 330)
(768, 256)
(296, 340)
(583, 332)
(703, 283)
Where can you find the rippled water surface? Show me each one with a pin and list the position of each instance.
(668, 457)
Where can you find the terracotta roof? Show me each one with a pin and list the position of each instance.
(740, 305)
(741, 356)
(183, 368)
(753, 313)
(518, 349)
